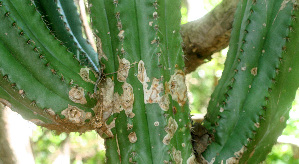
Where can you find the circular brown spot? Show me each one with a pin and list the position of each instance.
(132, 137)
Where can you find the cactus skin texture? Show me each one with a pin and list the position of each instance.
(146, 34)
(136, 100)
(249, 108)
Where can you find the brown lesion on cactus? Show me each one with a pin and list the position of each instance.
(100, 52)
(123, 69)
(155, 15)
(119, 25)
(254, 71)
(116, 103)
(156, 123)
(257, 125)
(132, 137)
(50, 112)
(152, 95)
(285, 2)
(243, 68)
(74, 121)
(121, 35)
(170, 129)
(177, 156)
(22, 93)
(192, 160)
(76, 94)
(150, 23)
(237, 156)
(115, 2)
(221, 109)
(142, 76)
(129, 126)
(84, 73)
(76, 115)
(176, 87)
(164, 102)
(127, 99)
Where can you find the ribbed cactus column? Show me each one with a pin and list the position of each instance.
(250, 106)
(141, 42)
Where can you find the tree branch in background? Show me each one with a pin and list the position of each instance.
(208, 34)
(87, 29)
(294, 142)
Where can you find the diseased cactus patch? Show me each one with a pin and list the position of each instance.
(177, 88)
(76, 94)
(171, 128)
(75, 115)
(123, 69)
(132, 137)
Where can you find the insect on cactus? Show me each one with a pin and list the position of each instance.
(132, 89)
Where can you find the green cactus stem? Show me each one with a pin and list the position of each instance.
(64, 22)
(141, 37)
(248, 111)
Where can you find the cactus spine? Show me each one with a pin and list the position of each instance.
(250, 106)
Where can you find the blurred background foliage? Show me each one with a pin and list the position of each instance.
(89, 147)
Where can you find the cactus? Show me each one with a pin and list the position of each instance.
(250, 106)
(131, 90)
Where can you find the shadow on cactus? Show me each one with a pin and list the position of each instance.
(132, 89)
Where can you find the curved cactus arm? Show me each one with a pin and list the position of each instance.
(234, 48)
(41, 77)
(71, 18)
(63, 19)
(52, 18)
(280, 100)
(30, 25)
(143, 37)
(19, 103)
(244, 103)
